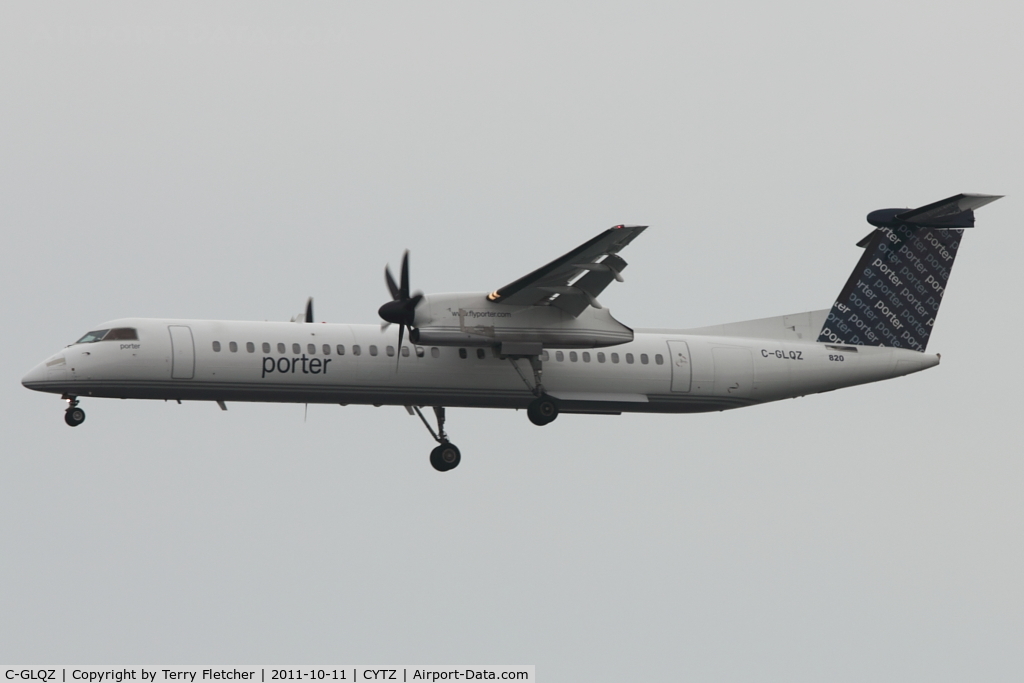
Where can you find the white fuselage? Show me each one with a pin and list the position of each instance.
(657, 372)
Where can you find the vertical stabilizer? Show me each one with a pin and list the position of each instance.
(893, 295)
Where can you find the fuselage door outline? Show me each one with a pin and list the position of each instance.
(183, 352)
(682, 368)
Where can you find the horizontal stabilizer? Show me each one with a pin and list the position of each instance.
(953, 212)
(933, 214)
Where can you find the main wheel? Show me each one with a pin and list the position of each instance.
(74, 416)
(445, 457)
(542, 411)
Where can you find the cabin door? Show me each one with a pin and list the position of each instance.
(183, 352)
(682, 371)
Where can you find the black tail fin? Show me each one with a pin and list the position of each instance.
(893, 295)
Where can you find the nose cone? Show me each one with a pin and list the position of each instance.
(35, 377)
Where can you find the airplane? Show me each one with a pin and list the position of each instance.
(542, 343)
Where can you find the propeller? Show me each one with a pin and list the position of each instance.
(401, 310)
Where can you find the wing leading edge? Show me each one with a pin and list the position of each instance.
(560, 284)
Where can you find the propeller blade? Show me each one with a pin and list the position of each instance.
(405, 275)
(384, 326)
(392, 287)
(401, 310)
(398, 352)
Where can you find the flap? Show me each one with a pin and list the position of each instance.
(592, 260)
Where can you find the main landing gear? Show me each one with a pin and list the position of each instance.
(543, 410)
(446, 456)
(74, 415)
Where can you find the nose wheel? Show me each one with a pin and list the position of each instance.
(74, 415)
(446, 456)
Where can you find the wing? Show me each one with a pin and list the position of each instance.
(573, 281)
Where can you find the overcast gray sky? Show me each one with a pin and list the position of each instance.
(228, 160)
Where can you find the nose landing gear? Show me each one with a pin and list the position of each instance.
(74, 415)
(446, 456)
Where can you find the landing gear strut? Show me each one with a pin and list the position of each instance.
(446, 456)
(543, 410)
(74, 415)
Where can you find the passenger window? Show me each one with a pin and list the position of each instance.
(311, 349)
(480, 354)
(233, 346)
(250, 347)
(296, 348)
(573, 357)
(216, 346)
(615, 358)
(586, 356)
(559, 356)
(390, 351)
(629, 358)
(644, 359)
(544, 355)
(600, 357)
(420, 351)
(280, 347)
(405, 352)
(373, 349)
(435, 352)
(327, 349)
(356, 350)
(266, 347)
(341, 349)
(659, 359)
(462, 353)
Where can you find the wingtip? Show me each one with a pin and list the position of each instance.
(976, 200)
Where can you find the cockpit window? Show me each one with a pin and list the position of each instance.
(109, 335)
(93, 336)
(122, 333)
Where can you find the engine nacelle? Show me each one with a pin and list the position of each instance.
(473, 320)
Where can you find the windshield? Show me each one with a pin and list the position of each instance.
(93, 336)
(109, 335)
